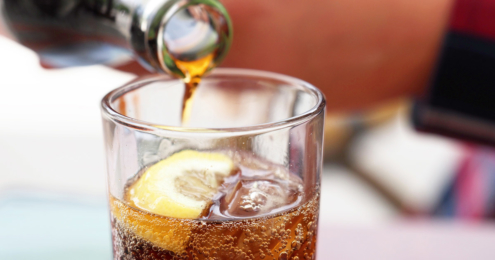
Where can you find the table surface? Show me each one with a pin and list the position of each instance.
(408, 240)
(63, 227)
(51, 209)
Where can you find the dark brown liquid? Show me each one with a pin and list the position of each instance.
(193, 70)
(241, 222)
(142, 235)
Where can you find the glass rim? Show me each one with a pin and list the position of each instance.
(145, 126)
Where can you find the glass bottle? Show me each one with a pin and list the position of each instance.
(160, 33)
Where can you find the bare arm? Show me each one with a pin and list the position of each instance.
(359, 52)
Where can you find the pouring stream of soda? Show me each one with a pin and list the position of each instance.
(192, 40)
(193, 70)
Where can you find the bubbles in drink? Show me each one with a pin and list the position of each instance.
(255, 196)
(258, 212)
(257, 189)
(141, 235)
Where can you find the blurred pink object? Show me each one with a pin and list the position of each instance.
(408, 240)
(471, 194)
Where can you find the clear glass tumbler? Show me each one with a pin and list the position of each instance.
(241, 181)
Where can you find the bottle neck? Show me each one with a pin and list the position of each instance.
(173, 36)
(87, 31)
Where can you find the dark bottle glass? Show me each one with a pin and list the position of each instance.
(159, 33)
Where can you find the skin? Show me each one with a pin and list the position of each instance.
(359, 52)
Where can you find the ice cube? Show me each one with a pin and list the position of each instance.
(258, 197)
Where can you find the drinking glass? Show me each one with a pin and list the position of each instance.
(268, 126)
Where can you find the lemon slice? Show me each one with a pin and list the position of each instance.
(181, 186)
(171, 234)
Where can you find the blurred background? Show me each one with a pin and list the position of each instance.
(388, 192)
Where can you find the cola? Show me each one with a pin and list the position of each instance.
(260, 211)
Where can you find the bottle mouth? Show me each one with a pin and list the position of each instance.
(198, 33)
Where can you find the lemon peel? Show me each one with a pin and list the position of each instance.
(182, 185)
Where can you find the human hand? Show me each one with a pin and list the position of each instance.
(359, 52)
